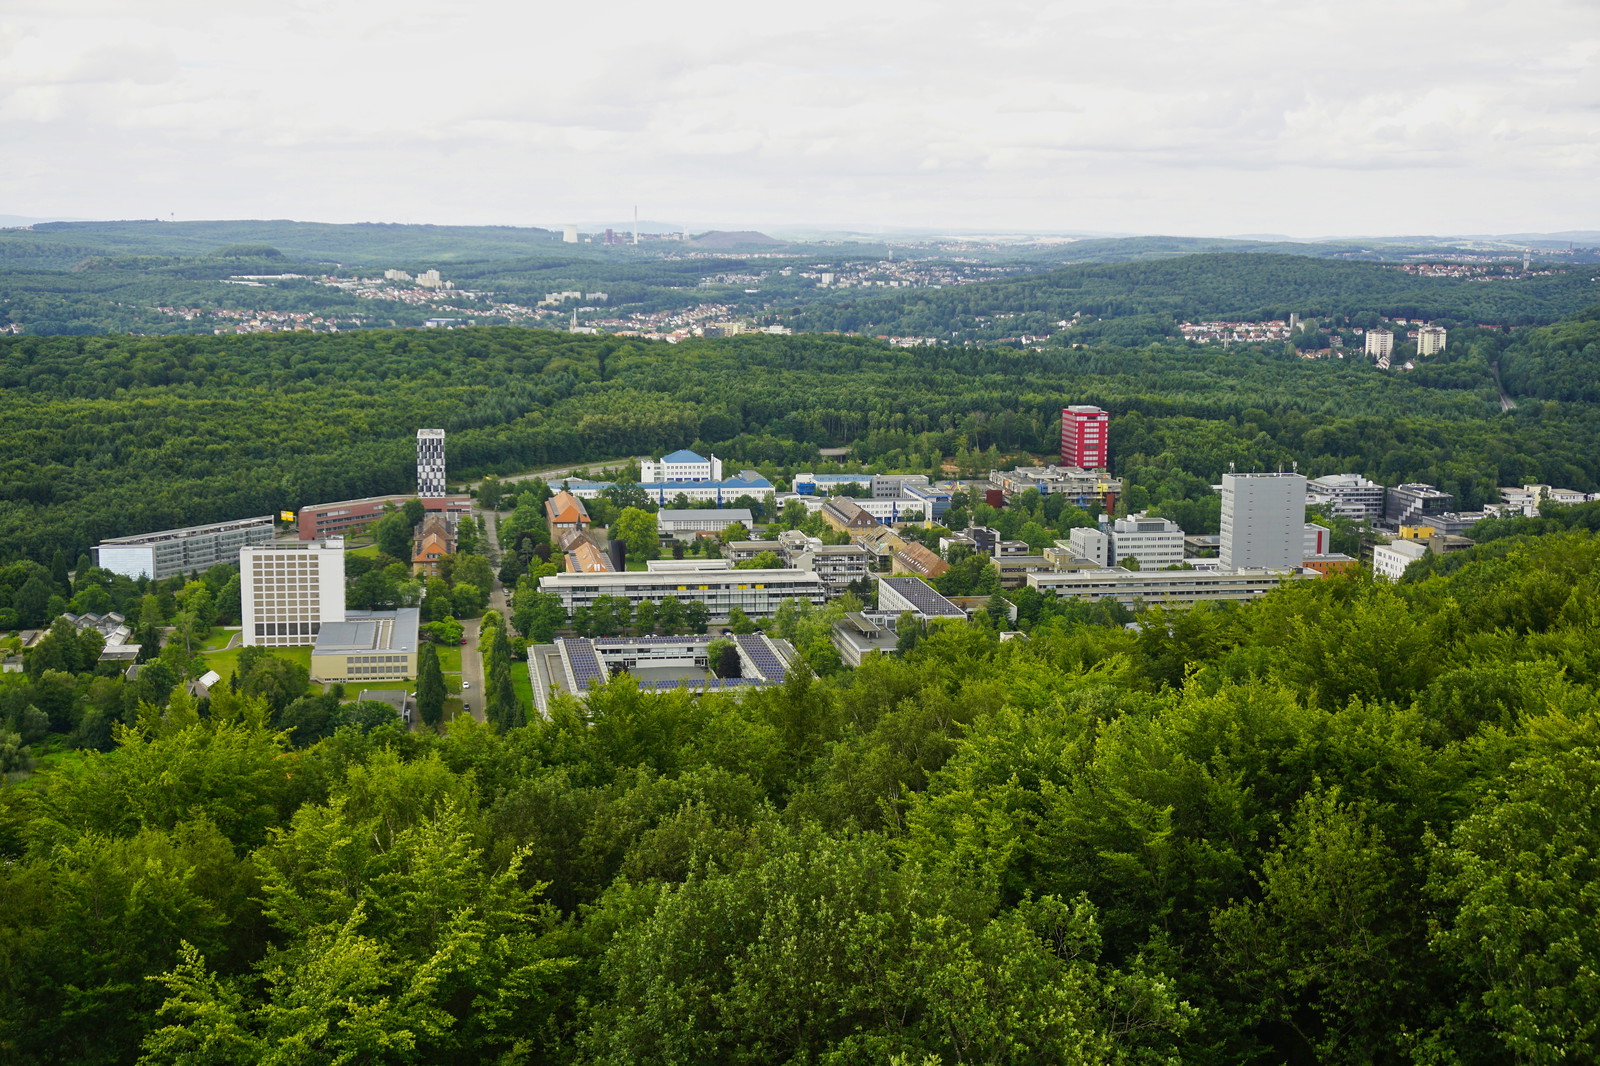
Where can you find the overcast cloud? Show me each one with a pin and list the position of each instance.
(1174, 116)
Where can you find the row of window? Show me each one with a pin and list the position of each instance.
(287, 629)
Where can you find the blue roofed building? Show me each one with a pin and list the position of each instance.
(681, 465)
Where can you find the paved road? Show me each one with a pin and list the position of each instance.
(564, 471)
(472, 669)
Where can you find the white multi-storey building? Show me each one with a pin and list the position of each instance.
(1263, 520)
(430, 462)
(1380, 343)
(1154, 542)
(1430, 340)
(756, 592)
(1389, 561)
(1346, 495)
(288, 592)
(681, 465)
(1133, 588)
(171, 552)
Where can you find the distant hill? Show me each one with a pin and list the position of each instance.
(732, 240)
(1164, 289)
(366, 243)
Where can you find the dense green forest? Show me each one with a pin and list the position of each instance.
(1236, 286)
(109, 436)
(1347, 823)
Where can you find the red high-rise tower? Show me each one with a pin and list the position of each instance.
(1084, 432)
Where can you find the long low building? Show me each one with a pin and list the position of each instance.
(572, 665)
(758, 593)
(329, 519)
(1165, 587)
(722, 493)
(368, 646)
(683, 524)
(172, 552)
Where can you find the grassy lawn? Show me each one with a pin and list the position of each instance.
(225, 662)
(370, 550)
(219, 639)
(523, 684)
(450, 657)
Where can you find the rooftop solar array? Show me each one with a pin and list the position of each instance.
(922, 596)
(759, 652)
(614, 642)
(709, 684)
(583, 665)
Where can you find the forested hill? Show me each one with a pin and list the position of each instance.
(1239, 286)
(108, 436)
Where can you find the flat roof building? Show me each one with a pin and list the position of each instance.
(287, 593)
(1346, 495)
(430, 463)
(1085, 437)
(321, 520)
(1263, 520)
(756, 592)
(573, 665)
(368, 646)
(172, 552)
(1165, 587)
(683, 524)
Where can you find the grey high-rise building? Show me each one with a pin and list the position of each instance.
(430, 462)
(1263, 520)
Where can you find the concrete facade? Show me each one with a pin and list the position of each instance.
(287, 594)
(1263, 520)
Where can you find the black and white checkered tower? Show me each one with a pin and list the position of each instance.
(430, 462)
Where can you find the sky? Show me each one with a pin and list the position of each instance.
(1196, 117)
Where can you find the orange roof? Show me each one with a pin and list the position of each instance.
(566, 509)
(429, 548)
(585, 558)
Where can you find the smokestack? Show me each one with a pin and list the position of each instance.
(635, 223)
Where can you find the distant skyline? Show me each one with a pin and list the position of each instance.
(1147, 116)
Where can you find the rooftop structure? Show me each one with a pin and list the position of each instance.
(565, 511)
(172, 552)
(722, 493)
(857, 635)
(917, 559)
(1405, 504)
(1083, 488)
(847, 515)
(1431, 340)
